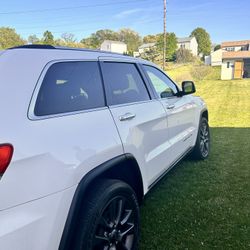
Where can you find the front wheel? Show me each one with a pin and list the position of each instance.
(202, 147)
(110, 220)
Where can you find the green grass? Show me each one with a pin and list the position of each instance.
(206, 204)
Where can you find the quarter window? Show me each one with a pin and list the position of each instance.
(68, 87)
(163, 86)
(124, 83)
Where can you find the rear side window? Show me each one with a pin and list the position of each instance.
(124, 83)
(68, 87)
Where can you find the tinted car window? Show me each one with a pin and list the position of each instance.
(162, 84)
(70, 86)
(124, 83)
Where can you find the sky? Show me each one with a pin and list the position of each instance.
(224, 20)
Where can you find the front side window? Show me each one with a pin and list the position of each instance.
(68, 87)
(124, 83)
(163, 86)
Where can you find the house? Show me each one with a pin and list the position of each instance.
(114, 46)
(146, 47)
(215, 58)
(189, 43)
(235, 60)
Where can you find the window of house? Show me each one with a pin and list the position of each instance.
(230, 49)
(124, 83)
(68, 87)
(228, 65)
(163, 86)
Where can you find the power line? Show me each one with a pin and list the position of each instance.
(69, 8)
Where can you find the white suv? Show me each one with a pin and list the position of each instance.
(84, 136)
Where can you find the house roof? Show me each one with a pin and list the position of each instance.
(235, 54)
(184, 39)
(146, 45)
(235, 43)
(117, 42)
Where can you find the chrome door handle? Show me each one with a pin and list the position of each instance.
(171, 106)
(127, 116)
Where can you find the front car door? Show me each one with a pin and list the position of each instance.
(140, 119)
(180, 111)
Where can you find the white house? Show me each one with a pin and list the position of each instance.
(114, 46)
(215, 58)
(189, 43)
(146, 47)
(235, 60)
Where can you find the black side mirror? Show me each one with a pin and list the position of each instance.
(188, 87)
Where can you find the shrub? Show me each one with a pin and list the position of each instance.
(200, 72)
(184, 56)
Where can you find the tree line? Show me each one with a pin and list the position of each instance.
(9, 38)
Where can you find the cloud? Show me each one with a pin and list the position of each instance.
(127, 13)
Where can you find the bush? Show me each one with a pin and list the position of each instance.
(184, 56)
(200, 72)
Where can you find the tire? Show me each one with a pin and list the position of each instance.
(110, 220)
(202, 146)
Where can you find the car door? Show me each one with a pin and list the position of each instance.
(180, 112)
(140, 119)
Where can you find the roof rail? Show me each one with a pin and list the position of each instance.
(34, 46)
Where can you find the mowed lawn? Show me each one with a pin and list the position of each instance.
(206, 204)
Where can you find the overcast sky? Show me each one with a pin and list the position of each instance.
(223, 19)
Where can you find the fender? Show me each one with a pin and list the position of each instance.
(81, 191)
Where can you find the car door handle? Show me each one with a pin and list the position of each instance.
(127, 116)
(171, 106)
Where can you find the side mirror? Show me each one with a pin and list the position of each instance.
(188, 87)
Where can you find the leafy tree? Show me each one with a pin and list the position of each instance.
(48, 38)
(33, 39)
(150, 39)
(131, 38)
(217, 47)
(184, 56)
(150, 54)
(9, 38)
(171, 45)
(203, 39)
(95, 40)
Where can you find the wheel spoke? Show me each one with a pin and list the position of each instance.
(131, 226)
(127, 216)
(120, 210)
(104, 223)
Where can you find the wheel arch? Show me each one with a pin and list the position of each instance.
(123, 167)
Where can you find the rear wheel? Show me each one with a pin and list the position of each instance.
(202, 147)
(110, 220)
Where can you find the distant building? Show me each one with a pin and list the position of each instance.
(189, 43)
(146, 47)
(114, 46)
(235, 60)
(215, 58)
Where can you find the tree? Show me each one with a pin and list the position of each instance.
(150, 39)
(203, 39)
(184, 56)
(48, 38)
(33, 39)
(171, 47)
(9, 38)
(131, 38)
(217, 47)
(68, 38)
(150, 54)
(95, 40)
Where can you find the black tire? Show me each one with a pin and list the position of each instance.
(202, 146)
(110, 219)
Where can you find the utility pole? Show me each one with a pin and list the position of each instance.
(164, 35)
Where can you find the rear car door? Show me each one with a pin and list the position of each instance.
(180, 112)
(140, 119)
